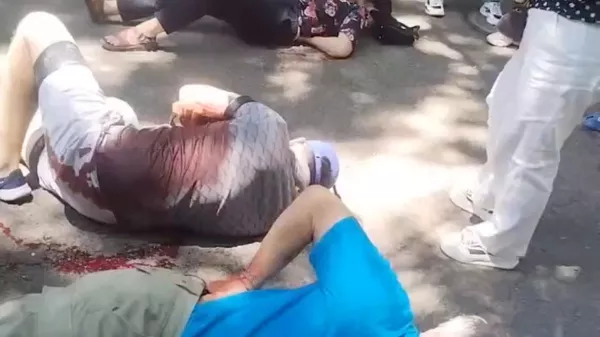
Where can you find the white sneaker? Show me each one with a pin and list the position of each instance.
(499, 40)
(460, 326)
(492, 12)
(466, 247)
(434, 8)
(463, 199)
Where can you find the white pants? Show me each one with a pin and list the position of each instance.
(534, 105)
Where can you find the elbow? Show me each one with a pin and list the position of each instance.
(343, 49)
(341, 54)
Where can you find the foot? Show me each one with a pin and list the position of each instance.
(129, 40)
(499, 40)
(466, 247)
(14, 187)
(96, 10)
(435, 8)
(463, 199)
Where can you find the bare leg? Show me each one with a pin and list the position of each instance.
(171, 17)
(17, 92)
(110, 7)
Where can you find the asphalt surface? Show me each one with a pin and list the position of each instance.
(408, 122)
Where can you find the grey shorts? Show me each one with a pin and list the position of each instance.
(73, 113)
(144, 301)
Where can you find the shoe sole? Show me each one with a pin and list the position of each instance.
(434, 13)
(15, 194)
(503, 265)
(497, 265)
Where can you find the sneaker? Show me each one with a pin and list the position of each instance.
(460, 326)
(14, 187)
(492, 12)
(463, 199)
(466, 247)
(434, 8)
(498, 39)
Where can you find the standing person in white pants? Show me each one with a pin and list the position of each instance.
(535, 104)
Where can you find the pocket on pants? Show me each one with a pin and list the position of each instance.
(133, 302)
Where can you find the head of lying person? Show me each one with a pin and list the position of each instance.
(317, 163)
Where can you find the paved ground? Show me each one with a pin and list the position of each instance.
(407, 121)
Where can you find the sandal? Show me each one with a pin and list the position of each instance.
(592, 122)
(96, 10)
(129, 40)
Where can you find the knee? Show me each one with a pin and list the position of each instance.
(40, 30)
(36, 23)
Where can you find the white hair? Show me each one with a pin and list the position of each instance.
(460, 326)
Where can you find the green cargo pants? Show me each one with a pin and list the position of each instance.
(136, 302)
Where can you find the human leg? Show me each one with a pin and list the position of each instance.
(125, 11)
(170, 17)
(73, 109)
(477, 197)
(18, 95)
(559, 79)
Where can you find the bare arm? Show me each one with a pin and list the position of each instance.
(341, 46)
(334, 46)
(306, 220)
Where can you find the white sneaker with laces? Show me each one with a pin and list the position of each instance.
(463, 198)
(466, 247)
(434, 8)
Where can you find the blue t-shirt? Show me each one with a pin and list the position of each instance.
(356, 294)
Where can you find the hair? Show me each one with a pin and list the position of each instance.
(460, 326)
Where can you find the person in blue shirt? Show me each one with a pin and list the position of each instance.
(356, 292)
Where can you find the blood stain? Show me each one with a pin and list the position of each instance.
(8, 233)
(77, 261)
(74, 260)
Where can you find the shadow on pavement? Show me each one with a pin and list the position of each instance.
(404, 119)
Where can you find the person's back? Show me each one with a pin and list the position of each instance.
(230, 177)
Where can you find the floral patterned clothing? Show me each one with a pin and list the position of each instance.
(332, 17)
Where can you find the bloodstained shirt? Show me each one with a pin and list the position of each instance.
(228, 178)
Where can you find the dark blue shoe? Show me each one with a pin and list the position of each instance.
(14, 187)
(592, 122)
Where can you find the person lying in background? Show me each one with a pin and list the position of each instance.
(226, 167)
(356, 292)
(331, 26)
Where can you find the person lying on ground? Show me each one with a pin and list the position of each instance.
(356, 292)
(227, 168)
(331, 26)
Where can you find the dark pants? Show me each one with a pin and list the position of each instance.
(255, 21)
(512, 24)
